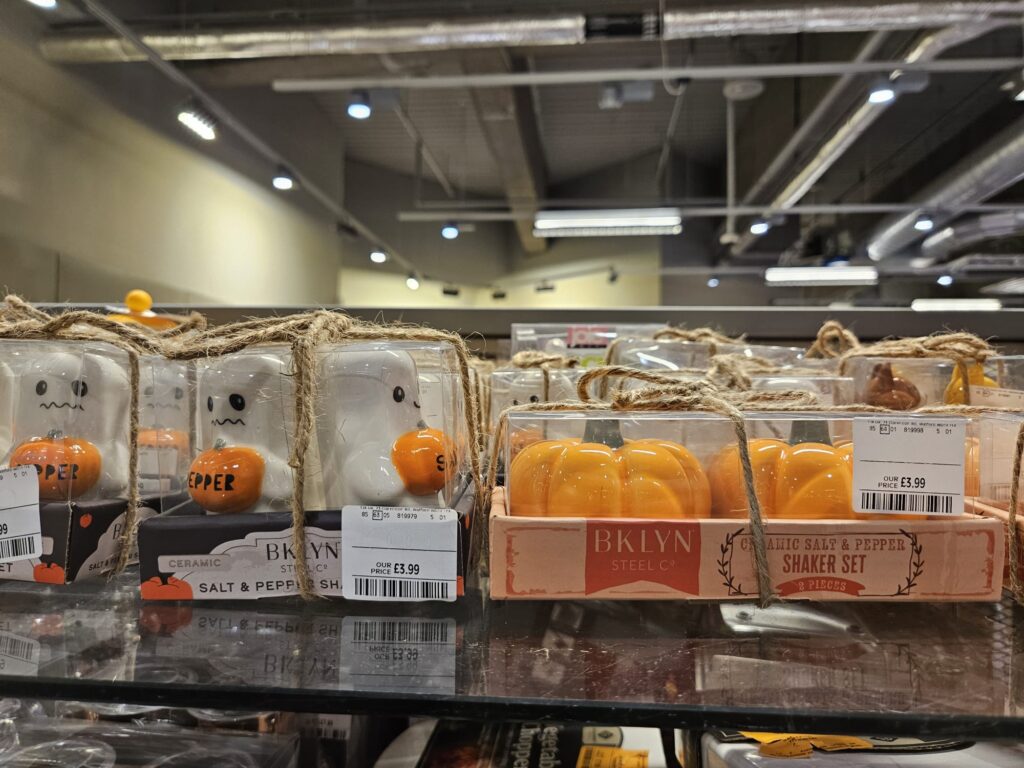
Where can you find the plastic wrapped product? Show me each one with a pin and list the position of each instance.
(781, 356)
(244, 414)
(165, 415)
(664, 355)
(70, 417)
(829, 389)
(587, 343)
(905, 383)
(391, 425)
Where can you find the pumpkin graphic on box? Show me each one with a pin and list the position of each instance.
(48, 573)
(606, 476)
(172, 589)
(67, 467)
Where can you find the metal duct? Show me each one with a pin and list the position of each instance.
(511, 31)
(323, 41)
(929, 47)
(977, 177)
(966, 232)
(835, 17)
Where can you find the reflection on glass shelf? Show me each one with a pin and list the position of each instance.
(883, 668)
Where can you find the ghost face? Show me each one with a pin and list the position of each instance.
(243, 401)
(163, 396)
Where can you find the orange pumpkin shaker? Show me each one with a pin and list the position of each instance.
(68, 467)
(605, 476)
(423, 459)
(226, 479)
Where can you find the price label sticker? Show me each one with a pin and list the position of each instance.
(398, 654)
(19, 655)
(908, 466)
(399, 553)
(997, 397)
(20, 531)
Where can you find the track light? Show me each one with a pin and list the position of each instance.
(945, 280)
(378, 257)
(924, 223)
(359, 105)
(46, 5)
(498, 293)
(412, 282)
(613, 275)
(544, 287)
(198, 120)
(760, 227)
(450, 230)
(283, 179)
(882, 92)
(450, 290)
(712, 282)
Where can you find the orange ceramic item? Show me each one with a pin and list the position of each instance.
(728, 491)
(639, 479)
(976, 377)
(67, 466)
(422, 458)
(164, 438)
(226, 478)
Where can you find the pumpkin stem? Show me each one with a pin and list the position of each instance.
(810, 431)
(55, 434)
(219, 443)
(604, 431)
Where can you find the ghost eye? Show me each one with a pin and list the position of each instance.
(515, 402)
(209, 404)
(237, 402)
(148, 391)
(178, 393)
(534, 399)
(398, 394)
(80, 388)
(41, 388)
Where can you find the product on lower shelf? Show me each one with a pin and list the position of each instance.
(651, 504)
(458, 744)
(734, 749)
(903, 384)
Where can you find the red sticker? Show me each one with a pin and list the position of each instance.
(625, 552)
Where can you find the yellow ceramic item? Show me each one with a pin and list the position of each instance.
(975, 378)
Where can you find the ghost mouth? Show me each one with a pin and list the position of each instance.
(175, 406)
(222, 422)
(54, 404)
(415, 404)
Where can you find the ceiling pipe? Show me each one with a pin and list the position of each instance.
(967, 232)
(928, 48)
(517, 31)
(983, 173)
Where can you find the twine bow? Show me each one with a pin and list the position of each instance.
(833, 340)
(545, 361)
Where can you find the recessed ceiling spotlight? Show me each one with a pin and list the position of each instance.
(713, 282)
(378, 257)
(359, 105)
(283, 179)
(882, 92)
(412, 282)
(46, 5)
(924, 223)
(450, 230)
(760, 227)
(945, 280)
(194, 117)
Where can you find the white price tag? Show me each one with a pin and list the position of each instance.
(398, 654)
(20, 531)
(908, 466)
(996, 397)
(399, 553)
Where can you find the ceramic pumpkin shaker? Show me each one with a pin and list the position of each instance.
(243, 414)
(375, 446)
(71, 421)
(606, 476)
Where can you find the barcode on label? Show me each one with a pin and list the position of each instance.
(20, 546)
(920, 503)
(401, 588)
(17, 647)
(400, 631)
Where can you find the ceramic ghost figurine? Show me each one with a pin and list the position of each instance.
(71, 422)
(164, 443)
(374, 444)
(243, 407)
(7, 392)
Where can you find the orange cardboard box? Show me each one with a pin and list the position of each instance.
(626, 559)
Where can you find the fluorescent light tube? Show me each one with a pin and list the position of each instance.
(956, 305)
(815, 276)
(602, 223)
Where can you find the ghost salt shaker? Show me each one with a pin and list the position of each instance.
(71, 421)
(164, 413)
(244, 403)
(375, 447)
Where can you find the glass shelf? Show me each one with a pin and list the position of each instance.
(907, 669)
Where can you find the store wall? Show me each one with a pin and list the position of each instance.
(111, 203)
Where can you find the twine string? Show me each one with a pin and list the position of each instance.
(833, 340)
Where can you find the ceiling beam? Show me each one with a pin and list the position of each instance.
(510, 126)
